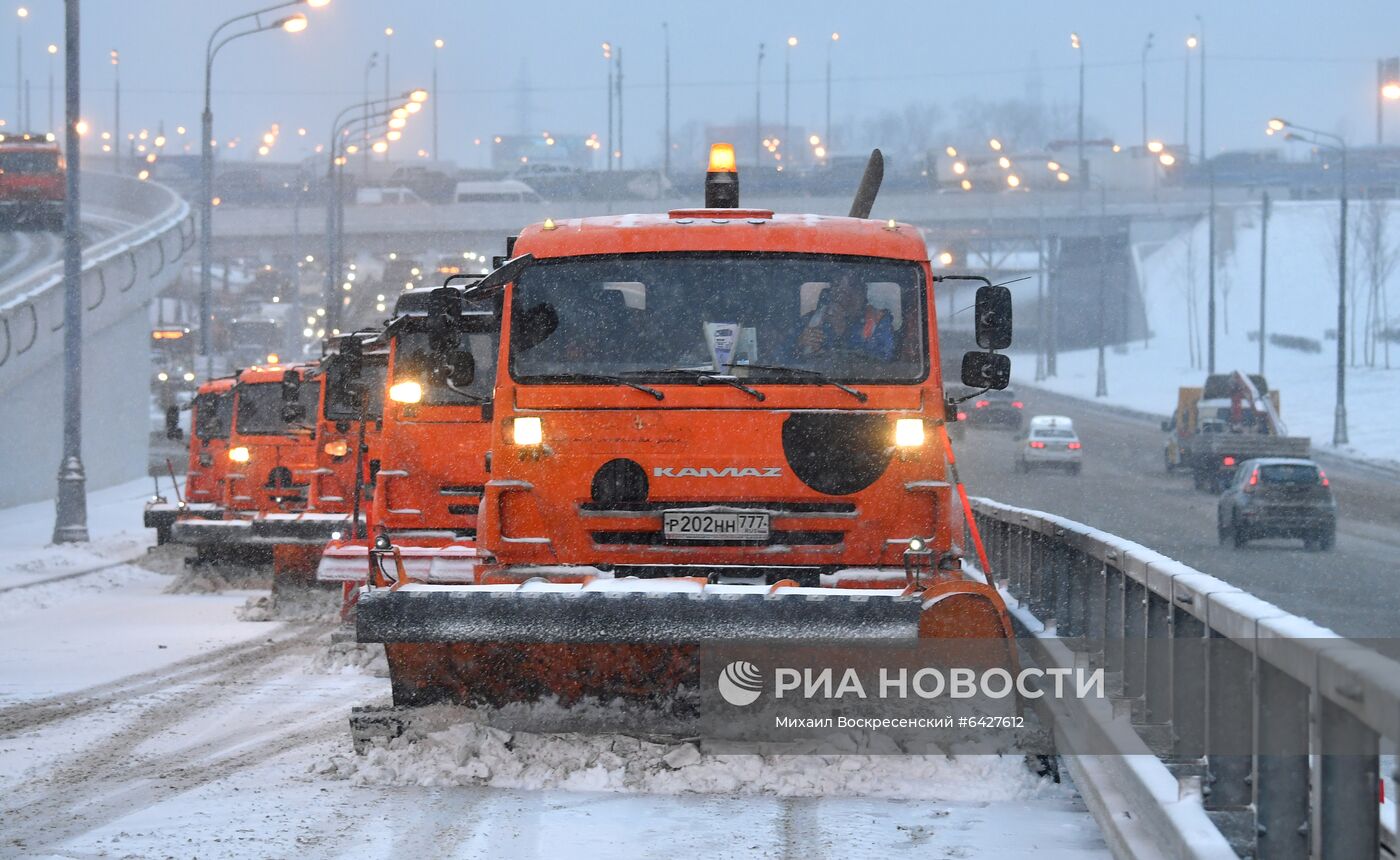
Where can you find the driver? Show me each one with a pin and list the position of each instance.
(844, 320)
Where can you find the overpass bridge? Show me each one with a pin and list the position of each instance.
(136, 235)
(1079, 243)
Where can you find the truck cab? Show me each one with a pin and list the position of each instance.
(660, 415)
(432, 453)
(212, 422)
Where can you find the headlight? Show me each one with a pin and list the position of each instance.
(162, 376)
(238, 455)
(338, 448)
(189, 377)
(529, 430)
(406, 392)
(909, 432)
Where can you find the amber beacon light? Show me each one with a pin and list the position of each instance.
(722, 178)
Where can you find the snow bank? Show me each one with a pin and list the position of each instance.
(1302, 305)
(473, 753)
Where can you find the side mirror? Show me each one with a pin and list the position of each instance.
(986, 370)
(993, 309)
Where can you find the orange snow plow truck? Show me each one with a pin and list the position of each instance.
(708, 426)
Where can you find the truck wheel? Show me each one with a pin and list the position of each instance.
(1237, 532)
(1326, 539)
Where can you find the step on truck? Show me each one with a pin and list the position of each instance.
(1232, 418)
(709, 425)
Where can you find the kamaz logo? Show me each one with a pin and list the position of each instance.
(710, 472)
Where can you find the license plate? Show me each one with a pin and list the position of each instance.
(708, 525)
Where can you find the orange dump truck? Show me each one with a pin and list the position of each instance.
(708, 425)
(430, 461)
(33, 181)
(269, 445)
(212, 420)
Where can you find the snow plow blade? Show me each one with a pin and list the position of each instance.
(607, 639)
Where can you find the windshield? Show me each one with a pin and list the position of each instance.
(29, 162)
(845, 318)
(340, 400)
(260, 407)
(213, 415)
(414, 360)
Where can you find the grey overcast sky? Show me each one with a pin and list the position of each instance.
(1311, 61)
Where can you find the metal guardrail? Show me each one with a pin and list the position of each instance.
(31, 308)
(1313, 706)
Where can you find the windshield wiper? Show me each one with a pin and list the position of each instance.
(703, 377)
(814, 375)
(615, 380)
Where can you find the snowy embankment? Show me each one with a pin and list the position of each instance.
(1301, 313)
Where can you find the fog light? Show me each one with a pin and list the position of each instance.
(917, 545)
(529, 430)
(909, 432)
(239, 454)
(338, 448)
(406, 392)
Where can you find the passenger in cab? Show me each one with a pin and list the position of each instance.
(845, 320)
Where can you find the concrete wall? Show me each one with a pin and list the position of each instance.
(121, 274)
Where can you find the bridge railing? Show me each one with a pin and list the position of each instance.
(119, 272)
(1279, 720)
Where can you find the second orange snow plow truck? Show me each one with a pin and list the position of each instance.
(711, 425)
(212, 422)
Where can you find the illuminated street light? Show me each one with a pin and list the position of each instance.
(294, 23)
(994, 144)
(380, 147)
(1167, 159)
(1154, 146)
(952, 151)
(1013, 181)
(1004, 162)
(967, 185)
(959, 168)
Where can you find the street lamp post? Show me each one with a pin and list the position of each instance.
(206, 205)
(116, 111)
(53, 49)
(1147, 46)
(758, 109)
(1191, 43)
(1387, 89)
(1201, 42)
(70, 507)
(1311, 135)
(787, 92)
(835, 37)
(621, 146)
(437, 46)
(21, 13)
(342, 126)
(1078, 46)
(607, 58)
(370, 65)
(666, 134)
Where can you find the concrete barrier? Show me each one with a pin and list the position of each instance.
(121, 274)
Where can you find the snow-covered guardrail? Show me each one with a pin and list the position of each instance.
(1273, 722)
(120, 272)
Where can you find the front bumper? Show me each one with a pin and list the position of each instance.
(200, 532)
(164, 514)
(454, 563)
(304, 529)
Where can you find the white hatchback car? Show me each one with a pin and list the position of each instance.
(1049, 440)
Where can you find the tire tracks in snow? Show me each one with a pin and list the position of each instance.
(39, 712)
(109, 776)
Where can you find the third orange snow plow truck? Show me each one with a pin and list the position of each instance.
(709, 425)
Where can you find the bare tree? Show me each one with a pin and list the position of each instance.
(1381, 256)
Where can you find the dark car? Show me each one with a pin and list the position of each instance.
(1278, 497)
(995, 409)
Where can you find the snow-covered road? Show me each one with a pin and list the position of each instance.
(139, 722)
